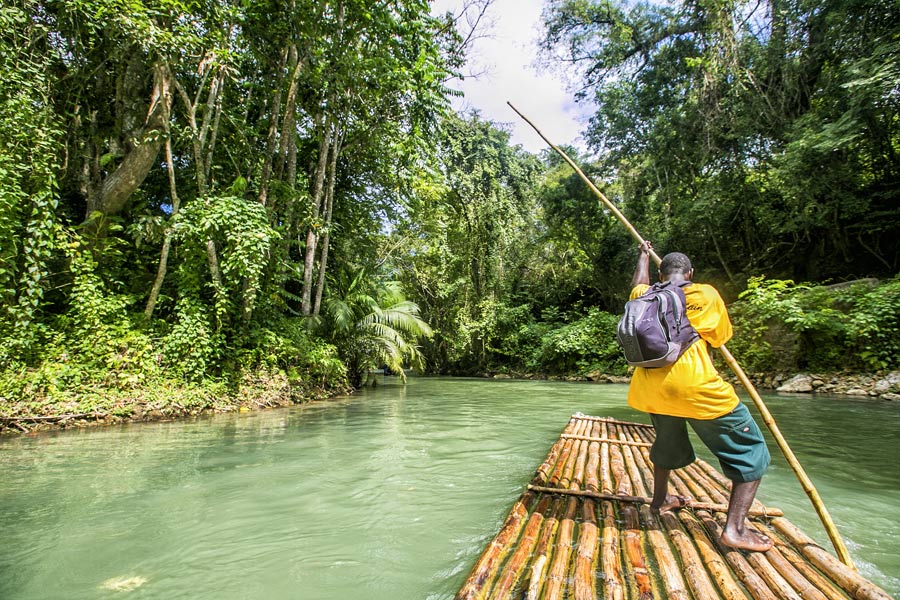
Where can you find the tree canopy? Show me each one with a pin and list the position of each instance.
(193, 191)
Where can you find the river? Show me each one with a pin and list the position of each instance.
(391, 493)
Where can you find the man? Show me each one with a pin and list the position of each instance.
(691, 391)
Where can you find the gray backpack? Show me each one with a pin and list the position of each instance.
(655, 331)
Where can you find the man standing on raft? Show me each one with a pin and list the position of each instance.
(691, 391)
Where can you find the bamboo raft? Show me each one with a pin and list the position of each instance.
(583, 529)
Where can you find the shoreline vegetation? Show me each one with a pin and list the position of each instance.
(268, 390)
(161, 403)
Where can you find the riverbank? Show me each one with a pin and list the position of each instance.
(168, 400)
(160, 400)
(881, 385)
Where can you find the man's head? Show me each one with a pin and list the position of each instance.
(675, 266)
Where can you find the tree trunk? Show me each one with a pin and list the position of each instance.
(213, 106)
(329, 204)
(118, 187)
(288, 135)
(167, 240)
(272, 138)
(309, 258)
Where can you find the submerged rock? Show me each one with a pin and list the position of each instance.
(124, 584)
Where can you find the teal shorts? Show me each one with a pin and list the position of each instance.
(734, 438)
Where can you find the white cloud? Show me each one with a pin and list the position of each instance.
(507, 57)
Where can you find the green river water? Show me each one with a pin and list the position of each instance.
(389, 494)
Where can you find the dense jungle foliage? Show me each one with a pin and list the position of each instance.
(213, 203)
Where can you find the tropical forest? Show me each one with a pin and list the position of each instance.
(235, 204)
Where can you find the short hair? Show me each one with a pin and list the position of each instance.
(675, 262)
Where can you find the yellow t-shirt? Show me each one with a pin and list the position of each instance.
(691, 387)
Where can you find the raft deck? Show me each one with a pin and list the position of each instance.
(583, 529)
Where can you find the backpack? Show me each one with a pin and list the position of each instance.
(655, 330)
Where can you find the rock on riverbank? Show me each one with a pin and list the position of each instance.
(879, 385)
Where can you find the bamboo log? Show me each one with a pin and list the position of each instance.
(559, 567)
(613, 588)
(821, 583)
(669, 570)
(617, 464)
(692, 566)
(542, 474)
(516, 563)
(634, 473)
(540, 559)
(806, 589)
(637, 566)
(578, 475)
(486, 568)
(586, 554)
(569, 470)
(560, 466)
(745, 572)
(711, 558)
(858, 587)
(588, 438)
(770, 574)
(606, 485)
(805, 482)
(713, 491)
(644, 467)
(591, 481)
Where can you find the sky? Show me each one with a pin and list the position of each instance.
(506, 60)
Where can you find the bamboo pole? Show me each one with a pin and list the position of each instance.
(806, 589)
(821, 583)
(542, 474)
(613, 586)
(540, 559)
(605, 477)
(711, 558)
(805, 482)
(667, 564)
(486, 568)
(583, 577)
(756, 585)
(634, 552)
(692, 565)
(645, 469)
(556, 576)
(561, 461)
(591, 481)
(617, 464)
(516, 563)
(578, 476)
